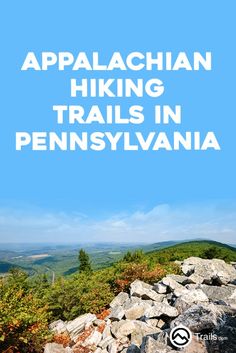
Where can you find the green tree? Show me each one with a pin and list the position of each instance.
(84, 262)
(128, 257)
(211, 253)
(137, 256)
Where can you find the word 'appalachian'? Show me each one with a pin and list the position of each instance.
(134, 61)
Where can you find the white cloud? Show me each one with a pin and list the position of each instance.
(163, 222)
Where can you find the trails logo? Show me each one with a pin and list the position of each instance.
(180, 336)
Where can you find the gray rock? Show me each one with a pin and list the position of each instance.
(226, 333)
(196, 346)
(56, 348)
(180, 279)
(137, 310)
(224, 273)
(106, 332)
(179, 263)
(188, 299)
(226, 294)
(200, 279)
(188, 265)
(119, 299)
(106, 342)
(181, 291)
(168, 297)
(160, 288)
(152, 322)
(98, 322)
(233, 263)
(124, 340)
(112, 348)
(150, 345)
(209, 271)
(161, 309)
(199, 317)
(131, 301)
(144, 291)
(94, 339)
(133, 349)
(171, 283)
(192, 286)
(122, 328)
(137, 329)
(227, 310)
(161, 323)
(98, 350)
(162, 337)
(117, 313)
(152, 302)
(142, 330)
(58, 327)
(75, 327)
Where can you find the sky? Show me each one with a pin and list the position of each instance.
(117, 196)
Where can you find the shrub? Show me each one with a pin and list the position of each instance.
(27, 305)
(23, 317)
(134, 271)
(79, 294)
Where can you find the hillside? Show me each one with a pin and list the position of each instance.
(5, 267)
(25, 321)
(63, 259)
(203, 248)
(145, 316)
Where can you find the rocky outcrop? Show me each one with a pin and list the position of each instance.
(199, 317)
(75, 327)
(209, 271)
(203, 300)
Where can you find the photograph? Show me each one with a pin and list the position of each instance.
(118, 176)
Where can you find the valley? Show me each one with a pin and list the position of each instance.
(62, 259)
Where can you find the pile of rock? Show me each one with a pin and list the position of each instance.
(202, 299)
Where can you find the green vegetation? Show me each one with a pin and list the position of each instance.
(23, 315)
(205, 249)
(92, 291)
(29, 303)
(84, 262)
(136, 256)
(61, 259)
(6, 267)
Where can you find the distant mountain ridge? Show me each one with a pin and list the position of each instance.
(64, 259)
(198, 248)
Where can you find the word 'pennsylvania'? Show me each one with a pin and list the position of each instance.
(99, 141)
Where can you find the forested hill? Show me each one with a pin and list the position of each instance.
(63, 259)
(202, 248)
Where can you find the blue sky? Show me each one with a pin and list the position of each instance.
(117, 196)
(163, 222)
